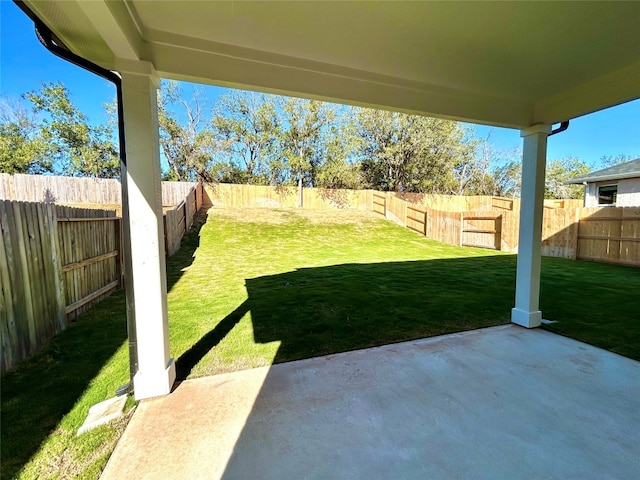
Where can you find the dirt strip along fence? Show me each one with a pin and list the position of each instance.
(54, 263)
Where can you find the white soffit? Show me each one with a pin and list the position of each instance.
(503, 63)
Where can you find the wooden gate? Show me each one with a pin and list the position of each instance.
(484, 231)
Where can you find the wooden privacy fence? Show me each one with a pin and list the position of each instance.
(606, 234)
(57, 261)
(57, 189)
(379, 203)
(175, 192)
(484, 231)
(75, 190)
(223, 194)
(78, 190)
(417, 218)
(445, 227)
(609, 234)
(178, 220)
(500, 203)
(54, 262)
(32, 300)
(91, 255)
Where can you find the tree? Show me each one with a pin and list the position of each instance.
(22, 148)
(472, 173)
(558, 172)
(76, 147)
(246, 126)
(507, 179)
(189, 148)
(508, 176)
(491, 171)
(304, 125)
(410, 153)
(339, 169)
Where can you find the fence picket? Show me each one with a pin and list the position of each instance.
(56, 259)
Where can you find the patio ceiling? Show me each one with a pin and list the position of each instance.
(509, 64)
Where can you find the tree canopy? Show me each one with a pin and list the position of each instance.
(55, 138)
(22, 148)
(244, 137)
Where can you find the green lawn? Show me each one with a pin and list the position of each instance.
(260, 286)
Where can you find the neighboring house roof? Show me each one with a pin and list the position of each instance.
(629, 169)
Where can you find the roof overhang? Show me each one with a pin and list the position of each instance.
(603, 178)
(511, 64)
(621, 171)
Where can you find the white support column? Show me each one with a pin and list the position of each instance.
(156, 370)
(534, 153)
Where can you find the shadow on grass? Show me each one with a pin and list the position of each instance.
(294, 424)
(184, 257)
(596, 303)
(317, 311)
(45, 387)
(191, 357)
(42, 389)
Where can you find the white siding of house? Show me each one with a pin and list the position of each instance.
(628, 192)
(591, 195)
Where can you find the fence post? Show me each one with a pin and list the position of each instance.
(498, 234)
(199, 196)
(118, 241)
(404, 216)
(576, 233)
(184, 216)
(164, 224)
(426, 221)
(461, 228)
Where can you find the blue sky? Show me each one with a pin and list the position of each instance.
(24, 64)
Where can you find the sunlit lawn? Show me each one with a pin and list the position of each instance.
(259, 286)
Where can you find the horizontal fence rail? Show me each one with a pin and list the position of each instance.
(57, 261)
(32, 297)
(482, 231)
(379, 203)
(611, 235)
(417, 219)
(178, 221)
(91, 254)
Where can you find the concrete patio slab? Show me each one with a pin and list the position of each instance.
(502, 402)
